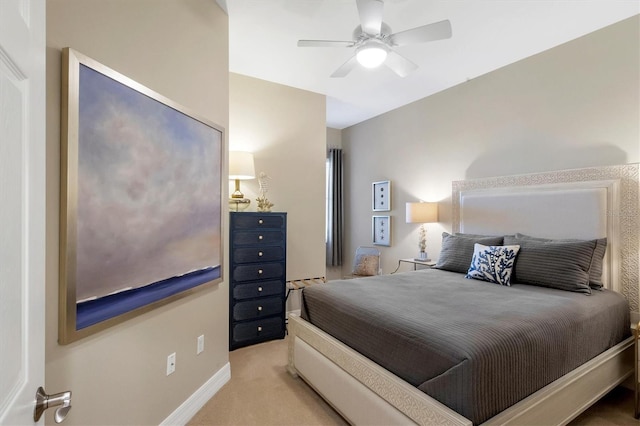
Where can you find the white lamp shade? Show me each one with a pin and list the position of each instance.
(241, 165)
(422, 212)
(372, 54)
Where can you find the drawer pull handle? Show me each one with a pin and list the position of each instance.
(259, 271)
(260, 221)
(259, 308)
(259, 289)
(259, 237)
(259, 329)
(260, 254)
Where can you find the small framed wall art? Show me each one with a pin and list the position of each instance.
(381, 196)
(381, 230)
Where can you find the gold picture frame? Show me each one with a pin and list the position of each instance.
(141, 199)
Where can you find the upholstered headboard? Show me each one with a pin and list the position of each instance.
(582, 203)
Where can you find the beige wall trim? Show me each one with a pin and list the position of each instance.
(195, 402)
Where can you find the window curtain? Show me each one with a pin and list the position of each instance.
(335, 207)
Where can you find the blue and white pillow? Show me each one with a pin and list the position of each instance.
(493, 263)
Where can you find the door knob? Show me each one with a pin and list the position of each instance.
(44, 401)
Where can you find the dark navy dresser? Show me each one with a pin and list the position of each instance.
(258, 268)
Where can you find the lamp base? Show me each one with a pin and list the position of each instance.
(422, 257)
(238, 204)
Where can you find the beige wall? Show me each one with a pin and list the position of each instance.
(576, 105)
(180, 50)
(334, 138)
(285, 128)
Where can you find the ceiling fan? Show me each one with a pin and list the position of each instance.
(374, 42)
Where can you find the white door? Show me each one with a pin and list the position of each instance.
(22, 207)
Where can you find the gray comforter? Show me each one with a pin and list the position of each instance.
(476, 347)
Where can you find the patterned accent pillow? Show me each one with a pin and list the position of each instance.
(367, 265)
(493, 263)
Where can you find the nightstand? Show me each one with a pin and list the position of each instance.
(415, 262)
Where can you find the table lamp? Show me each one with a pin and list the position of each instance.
(422, 213)
(241, 167)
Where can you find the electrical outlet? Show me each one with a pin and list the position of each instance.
(171, 363)
(200, 346)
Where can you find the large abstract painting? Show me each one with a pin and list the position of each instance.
(141, 199)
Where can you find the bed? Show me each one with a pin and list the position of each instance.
(365, 385)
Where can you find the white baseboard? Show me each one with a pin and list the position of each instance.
(195, 402)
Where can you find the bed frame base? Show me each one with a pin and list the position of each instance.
(365, 393)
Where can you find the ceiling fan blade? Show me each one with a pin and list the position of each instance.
(399, 64)
(345, 68)
(370, 12)
(325, 43)
(430, 32)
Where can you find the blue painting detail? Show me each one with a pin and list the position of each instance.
(493, 263)
(94, 311)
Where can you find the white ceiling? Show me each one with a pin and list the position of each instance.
(487, 34)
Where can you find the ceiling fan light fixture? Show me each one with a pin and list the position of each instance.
(372, 54)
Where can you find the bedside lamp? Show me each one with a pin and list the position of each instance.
(241, 167)
(422, 213)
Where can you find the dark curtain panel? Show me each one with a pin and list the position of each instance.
(335, 208)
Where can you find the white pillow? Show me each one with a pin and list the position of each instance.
(493, 263)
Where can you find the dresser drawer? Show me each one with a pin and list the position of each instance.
(258, 272)
(259, 308)
(257, 331)
(262, 288)
(257, 238)
(258, 254)
(257, 221)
